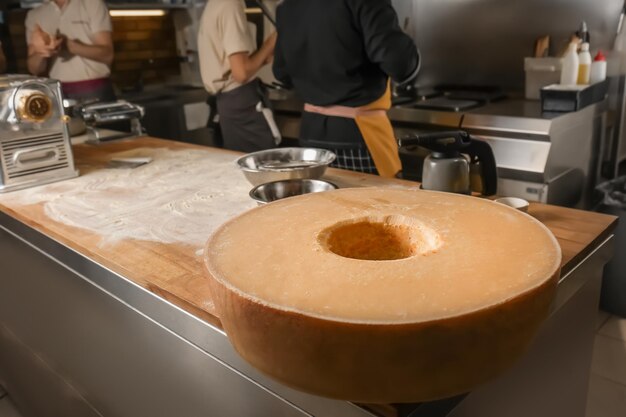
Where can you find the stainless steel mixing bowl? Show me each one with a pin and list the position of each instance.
(272, 191)
(285, 163)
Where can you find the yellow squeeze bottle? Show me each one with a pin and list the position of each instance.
(584, 64)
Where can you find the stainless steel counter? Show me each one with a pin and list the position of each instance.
(77, 339)
(287, 102)
(551, 158)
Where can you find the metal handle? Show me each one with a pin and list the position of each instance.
(482, 157)
(447, 141)
(35, 157)
(109, 112)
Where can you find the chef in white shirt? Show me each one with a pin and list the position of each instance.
(229, 63)
(70, 40)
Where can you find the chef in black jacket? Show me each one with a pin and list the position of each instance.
(338, 55)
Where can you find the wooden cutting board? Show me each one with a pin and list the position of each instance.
(174, 271)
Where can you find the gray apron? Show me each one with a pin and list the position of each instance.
(246, 120)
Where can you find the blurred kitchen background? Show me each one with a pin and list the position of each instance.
(484, 42)
(477, 45)
(475, 75)
(463, 42)
(481, 42)
(480, 45)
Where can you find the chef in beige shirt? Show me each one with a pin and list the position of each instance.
(229, 62)
(70, 40)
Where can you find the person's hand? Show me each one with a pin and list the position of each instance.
(66, 46)
(61, 41)
(43, 44)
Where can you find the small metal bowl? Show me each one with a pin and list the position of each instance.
(285, 163)
(272, 191)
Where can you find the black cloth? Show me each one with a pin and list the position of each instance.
(339, 135)
(243, 128)
(317, 130)
(213, 124)
(341, 52)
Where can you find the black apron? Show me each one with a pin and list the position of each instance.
(339, 135)
(243, 126)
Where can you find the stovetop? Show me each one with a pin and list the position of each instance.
(454, 98)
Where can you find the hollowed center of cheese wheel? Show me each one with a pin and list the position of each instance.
(379, 239)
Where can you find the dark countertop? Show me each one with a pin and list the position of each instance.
(503, 111)
(177, 93)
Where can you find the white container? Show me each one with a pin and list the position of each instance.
(540, 72)
(584, 65)
(598, 69)
(517, 203)
(569, 66)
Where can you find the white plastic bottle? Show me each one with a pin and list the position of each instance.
(584, 64)
(569, 65)
(598, 68)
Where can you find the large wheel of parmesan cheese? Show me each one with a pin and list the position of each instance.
(382, 295)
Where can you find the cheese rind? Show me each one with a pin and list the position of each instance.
(465, 286)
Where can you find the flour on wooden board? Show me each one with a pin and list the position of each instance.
(182, 196)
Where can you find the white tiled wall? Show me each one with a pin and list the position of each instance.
(607, 385)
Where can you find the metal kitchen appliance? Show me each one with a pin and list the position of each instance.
(100, 115)
(448, 169)
(552, 158)
(285, 163)
(34, 139)
(272, 191)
